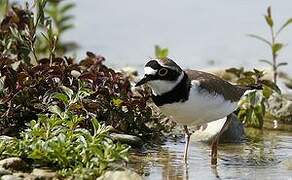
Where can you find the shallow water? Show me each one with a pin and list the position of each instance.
(262, 156)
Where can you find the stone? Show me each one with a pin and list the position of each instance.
(127, 139)
(222, 74)
(75, 73)
(4, 171)
(13, 163)
(280, 107)
(24, 175)
(234, 133)
(6, 138)
(120, 175)
(10, 177)
(44, 174)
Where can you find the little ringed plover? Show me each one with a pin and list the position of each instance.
(191, 97)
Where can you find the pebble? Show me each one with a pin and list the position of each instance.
(44, 174)
(233, 134)
(127, 139)
(6, 138)
(120, 175)
(13, 163)
(10, 177)
(4, 171)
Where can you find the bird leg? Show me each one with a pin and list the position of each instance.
(187, 137)
(216, 140)
(214, 150)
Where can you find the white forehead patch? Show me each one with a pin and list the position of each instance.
(150, 71)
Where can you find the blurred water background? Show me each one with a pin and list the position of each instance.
(199, 34)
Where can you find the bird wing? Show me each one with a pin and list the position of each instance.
(214, 84)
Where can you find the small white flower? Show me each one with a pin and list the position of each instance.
(125, 109)
(75, 73)
(56, 79)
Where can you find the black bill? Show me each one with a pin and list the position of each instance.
(144, 80)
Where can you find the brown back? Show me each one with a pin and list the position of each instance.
(214, 84)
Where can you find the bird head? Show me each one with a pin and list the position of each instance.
(162, 75)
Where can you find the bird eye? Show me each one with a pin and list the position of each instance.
(162, 72)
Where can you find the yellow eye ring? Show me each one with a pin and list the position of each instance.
(162, 72)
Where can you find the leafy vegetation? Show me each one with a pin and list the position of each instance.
(252, 108)
(160, 53)
(59, 111)
(30, 90)
(3, 7)
(54, 28)
(274, 44)
(59, 142)
(27, 89)
(29, 35)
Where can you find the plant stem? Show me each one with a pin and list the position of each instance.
(274, 56)
(33, 51)
(33, 33)
(275, 73)
(6, 6)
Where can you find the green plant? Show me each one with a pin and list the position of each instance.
(58, 23)
(252, 109)
(88, 88)
(28, 89)
(58, 141)
(274, 44)
(17, 34)
(65, 97)
(160, 53)
(3, 7)
(30, 32)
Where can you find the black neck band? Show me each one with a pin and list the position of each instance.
(179, 93)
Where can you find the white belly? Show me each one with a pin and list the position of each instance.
(201, 107)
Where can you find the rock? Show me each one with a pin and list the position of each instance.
(120, 175)
(4, 172)
(234, 132)
(221, 73)
(6, 138)
(13, 163)
(127, 139)
(44, 174)
(75, 73)
(268, 75)
(206, 132)
(280, 107)
(287, 80)
(26, 176)
(10, 177)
